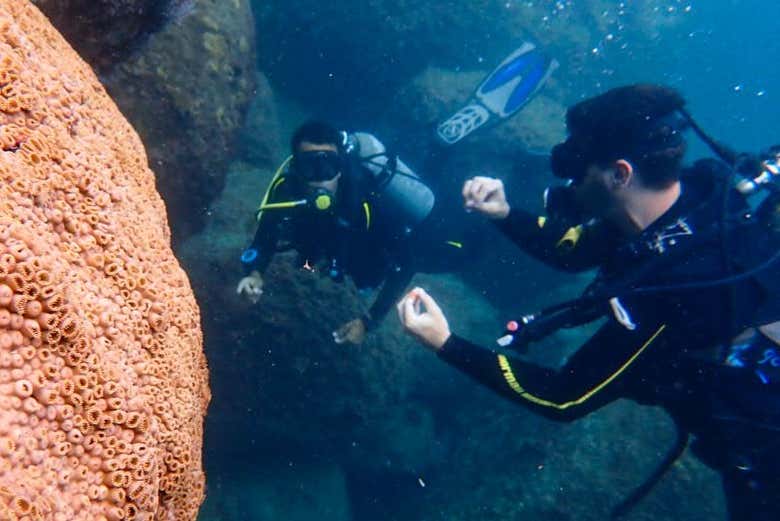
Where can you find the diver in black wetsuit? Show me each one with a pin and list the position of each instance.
(348, 207)
(688, 280)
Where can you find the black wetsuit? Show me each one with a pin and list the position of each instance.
(359, 238)
(666, 348)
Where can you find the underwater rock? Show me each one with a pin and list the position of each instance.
(278, 490)
(514, 465)
(106, 31)
(260, 139)
(103, 380)
(186, 92)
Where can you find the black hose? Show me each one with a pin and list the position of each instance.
(639, 493)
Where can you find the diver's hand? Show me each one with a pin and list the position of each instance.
(251, 286)
(486, 195)
(353, 332)
(421, 316)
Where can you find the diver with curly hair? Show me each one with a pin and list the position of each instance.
(688, 281)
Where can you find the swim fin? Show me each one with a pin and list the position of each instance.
(501, 94)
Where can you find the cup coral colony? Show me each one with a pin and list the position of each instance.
(103, 381)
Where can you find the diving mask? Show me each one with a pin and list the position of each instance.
(317, 165)
(570, 160)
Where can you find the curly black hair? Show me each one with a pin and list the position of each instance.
(639, 123)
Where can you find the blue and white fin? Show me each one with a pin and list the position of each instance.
(502, 93)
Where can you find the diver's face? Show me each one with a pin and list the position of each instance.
(325, 150)
(331, 185)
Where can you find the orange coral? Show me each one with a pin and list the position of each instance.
(103, 382)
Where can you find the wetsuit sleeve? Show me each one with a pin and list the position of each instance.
(267, 233)
(593, 377)
(554, 242)
(264, 243)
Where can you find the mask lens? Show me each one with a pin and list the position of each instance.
(319, 165)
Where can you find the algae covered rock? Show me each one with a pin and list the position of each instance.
(515, 465)
(106, 31)
(186, 92)
(261, 142)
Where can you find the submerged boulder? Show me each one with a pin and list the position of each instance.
(186, 92)
(106, 31)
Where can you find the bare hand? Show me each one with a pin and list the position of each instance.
(421, 316)
(486, 195)
(353, 332)
(251, 286)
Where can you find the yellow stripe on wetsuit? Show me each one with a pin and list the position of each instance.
(511, 380)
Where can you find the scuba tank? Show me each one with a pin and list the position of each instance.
(394, 186)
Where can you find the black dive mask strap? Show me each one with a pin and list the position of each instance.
(722, 151)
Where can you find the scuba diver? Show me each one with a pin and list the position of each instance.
(688, 280)
(344, 199)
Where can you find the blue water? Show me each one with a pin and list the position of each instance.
(302, 430)
(721, 58)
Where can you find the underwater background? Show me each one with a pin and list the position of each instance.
(300, 428)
